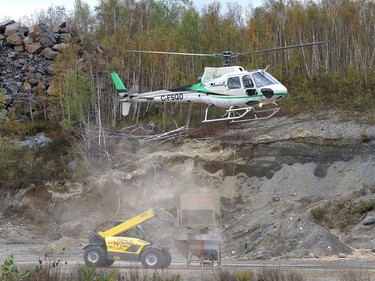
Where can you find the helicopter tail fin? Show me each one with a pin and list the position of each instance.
(120, 87)
(122, 92)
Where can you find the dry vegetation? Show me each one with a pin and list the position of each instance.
(342, 214)
(51, 270)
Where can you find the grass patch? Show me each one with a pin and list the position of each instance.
(355, 275)
(277, 274)
(51, 270)
(342, 215)
(272, 274)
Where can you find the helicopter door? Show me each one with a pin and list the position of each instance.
(234, 86)
(249, 85)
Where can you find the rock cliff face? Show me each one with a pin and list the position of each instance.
(26, 66)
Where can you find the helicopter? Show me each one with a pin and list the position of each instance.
(242, 93)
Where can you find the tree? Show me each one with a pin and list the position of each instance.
(53, 16)
(83, 20)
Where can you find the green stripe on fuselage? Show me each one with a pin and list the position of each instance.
(199, 88)
(246, 97)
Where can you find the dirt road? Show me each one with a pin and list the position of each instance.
(29, 255)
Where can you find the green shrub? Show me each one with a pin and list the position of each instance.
(244, 275)
(9, 271)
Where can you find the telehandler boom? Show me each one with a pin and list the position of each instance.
(128, 242)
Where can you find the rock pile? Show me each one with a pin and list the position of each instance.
(26, 67)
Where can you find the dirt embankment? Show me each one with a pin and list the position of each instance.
(270, 176)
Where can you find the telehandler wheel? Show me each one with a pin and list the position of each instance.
(152, 258)
(96, 256)
(167, 258)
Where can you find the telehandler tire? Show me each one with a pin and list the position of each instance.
(152, 258)
(95, 256)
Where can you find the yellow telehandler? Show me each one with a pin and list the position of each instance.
(127, 241)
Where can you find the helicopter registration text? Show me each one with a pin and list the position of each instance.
(172, 97)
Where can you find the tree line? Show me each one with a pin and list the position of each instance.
(336, 74)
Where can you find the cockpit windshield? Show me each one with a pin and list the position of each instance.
(263, 78)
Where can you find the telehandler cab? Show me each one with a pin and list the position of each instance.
(127, 241)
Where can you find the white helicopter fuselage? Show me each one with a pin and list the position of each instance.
(233, 88)
(223, 87)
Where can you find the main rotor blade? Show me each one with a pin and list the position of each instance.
(227, 55)
(280, 48)
(171, 53)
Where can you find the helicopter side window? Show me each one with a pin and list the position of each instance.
(247, 82)
(234, 83)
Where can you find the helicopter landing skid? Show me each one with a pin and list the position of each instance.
(236, 115)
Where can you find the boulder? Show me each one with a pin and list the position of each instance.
(48, 53)
(60, 47)
(46, 41)
(34, 34)
(46, 36)
(55, 28)
(3, 25)
(65, 38)
(368, 220)
(12, 28)
(33, 48)
(27, 40)
(14, 39)
(23, 31)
